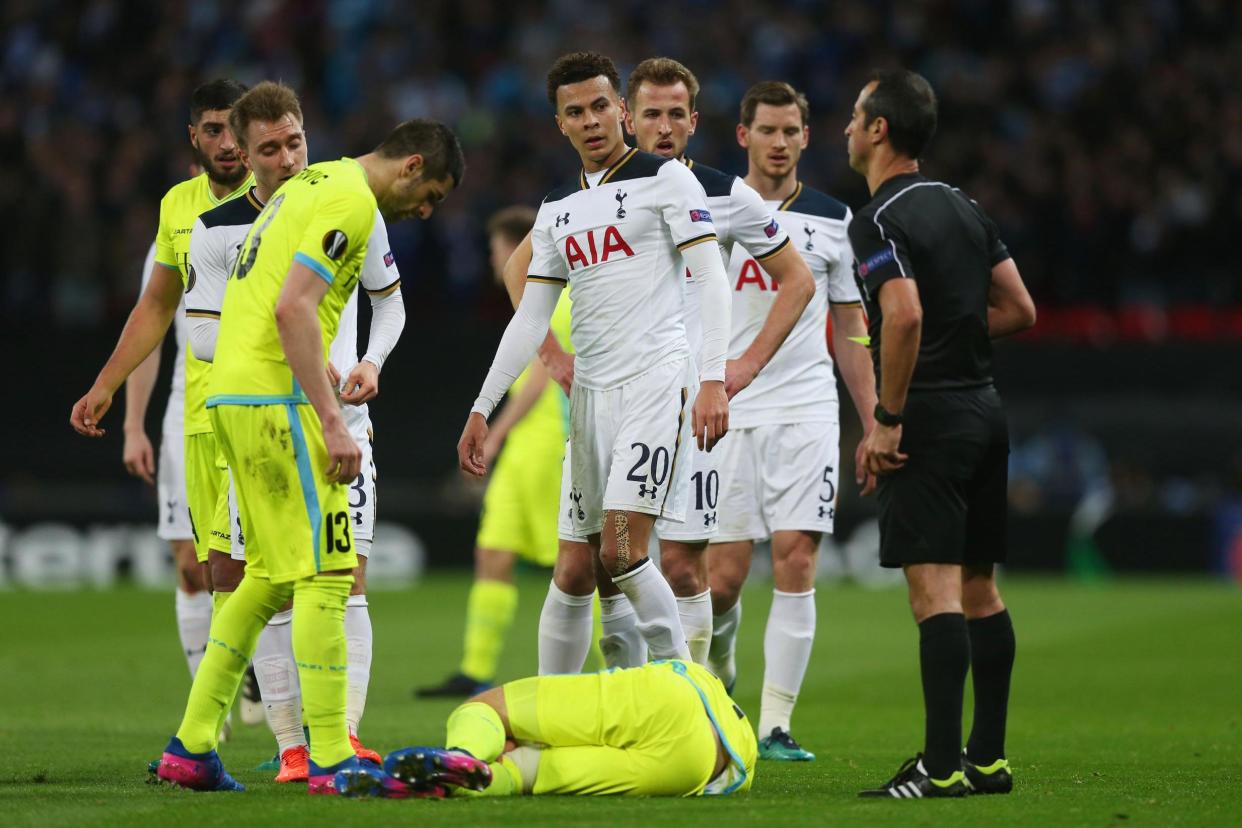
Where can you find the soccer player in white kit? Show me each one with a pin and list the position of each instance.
(779, 466)
(268, 123)
(193, 600)
(618, 235)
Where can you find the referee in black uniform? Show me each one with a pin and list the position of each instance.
(938, 285)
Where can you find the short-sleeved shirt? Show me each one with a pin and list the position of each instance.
(616, 237)
(925, 230)
(797, 385)
(178, 209)
(218, 236)
(741, 218)
(321, 218)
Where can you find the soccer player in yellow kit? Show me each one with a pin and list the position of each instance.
(281, 430)
(520, 507)
(667, 728)
(224, 177)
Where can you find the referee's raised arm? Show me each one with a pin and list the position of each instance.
(938, 284)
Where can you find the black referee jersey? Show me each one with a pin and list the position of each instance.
(925, 230)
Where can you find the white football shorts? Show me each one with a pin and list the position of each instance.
(174, 511)
(630, 447)
(777, 478)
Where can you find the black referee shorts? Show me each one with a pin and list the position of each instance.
(948, 504)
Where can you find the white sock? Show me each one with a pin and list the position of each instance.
(696, 619)
(193, 625)
(622, 645)
(564, 631)
(656, 608)
(721, 655)
(358, 665)
(786, 653)
(277, 673)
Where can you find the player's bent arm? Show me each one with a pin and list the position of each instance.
(900, 333)
(387, 323)
(298, 324)
(145, 329)
(1010, 307)
(853, 360)
(797, 288)
(518, 345)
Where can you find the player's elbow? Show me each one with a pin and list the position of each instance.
(288, 311)
(905, 319)
(1026, 313)
(801, 284)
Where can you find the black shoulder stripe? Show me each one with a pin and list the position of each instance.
(715, 183)
(564, 191)
(235, 211)
(812, 202)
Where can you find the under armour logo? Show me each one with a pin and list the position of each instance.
(562, 220)
(172, 507)
(810, 245)
(709, 519)
(644, 491)
(621, 204)
(358, 518)
(826, 511)
(576, 497)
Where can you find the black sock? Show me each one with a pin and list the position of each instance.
(991, 649)
(944, 656)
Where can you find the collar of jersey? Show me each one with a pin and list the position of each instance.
(621, 162)
(245, 185)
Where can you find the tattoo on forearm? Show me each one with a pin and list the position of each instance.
(621, 522)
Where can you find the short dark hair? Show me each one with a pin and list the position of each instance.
(773, 93)
(512, 222)
(268, 101)
(907, 102)
(435, 142)
(220, 93)
(576, 67)
(661, 71)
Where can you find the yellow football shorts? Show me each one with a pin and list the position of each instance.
(522, 499)
(641, 731)
(221, 538)
(205, 484)
(296, 522)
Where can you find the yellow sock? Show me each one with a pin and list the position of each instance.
(320, 649)
(476, 727)
(489, 614)
(235, 627)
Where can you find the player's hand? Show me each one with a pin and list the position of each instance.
(470, 446)
(710, 418)
(491, 446)
(739, 373)
(362, 384)
(561, 369)
(879, 448)
(866, 481)
(344, 456)
(138, 455)
(88, 411)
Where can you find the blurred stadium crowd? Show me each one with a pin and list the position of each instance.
(1105, 137)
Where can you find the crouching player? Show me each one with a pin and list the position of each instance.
(667, 728)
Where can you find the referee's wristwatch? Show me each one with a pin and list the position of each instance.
(886, 418)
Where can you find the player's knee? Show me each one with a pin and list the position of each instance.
(980, 597)
(683, 578)
(574, 572)
(725, 594)
(190, 576)
(796, 567)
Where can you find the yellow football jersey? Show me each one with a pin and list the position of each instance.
(322, 219)
(178, 209)
(548, 419)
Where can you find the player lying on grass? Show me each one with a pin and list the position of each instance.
(665, 729)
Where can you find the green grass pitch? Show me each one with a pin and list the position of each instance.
(1125, 712)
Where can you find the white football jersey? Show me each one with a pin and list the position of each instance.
(177, 390)
(741, 217)
(798, 385)
(218, 235)
(616, 238)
